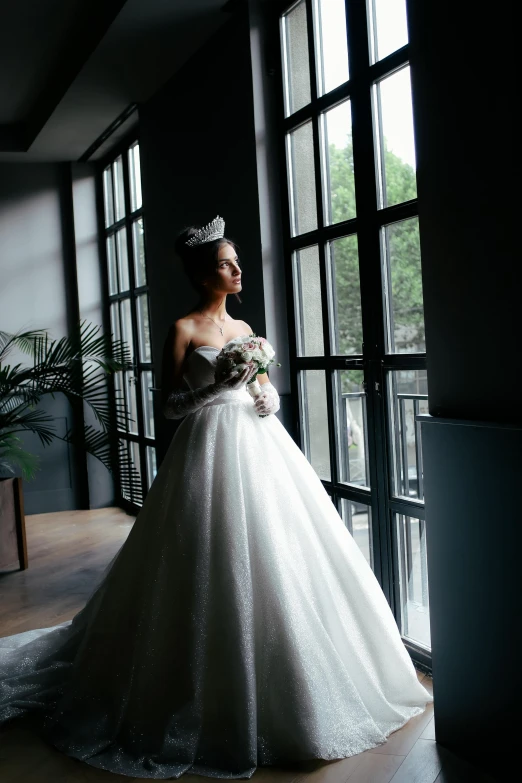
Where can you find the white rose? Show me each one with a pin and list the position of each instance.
(246, 356)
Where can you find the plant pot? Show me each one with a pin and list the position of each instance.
(13, 546)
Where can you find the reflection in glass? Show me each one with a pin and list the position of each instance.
(120, 402)
(358, 519)
(315, 421)
(123, 262)
(135, 177)
(115, 321)
(301, 179)
(307, 292)
(144, 328)
(413, 574)
(151, 465)
(403, 286)
(108, 204)
(296, 67)
(394, 125)
(148, 404)
(136, 464)
(331, 44)
(132, 406)
(119, 191)
(388, 27)
(345, 295)
(353, 435)
(111, 265)
(339, 187)
(407, 397)
(126, 325)
(124, 459)
(140, 274)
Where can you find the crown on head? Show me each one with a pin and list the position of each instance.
(214, 230)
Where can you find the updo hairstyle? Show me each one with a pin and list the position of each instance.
(200, 261)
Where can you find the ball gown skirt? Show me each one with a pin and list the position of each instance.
(238, 626)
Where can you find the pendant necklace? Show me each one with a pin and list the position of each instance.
(218, 326)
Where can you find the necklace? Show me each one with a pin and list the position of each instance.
(218, 326)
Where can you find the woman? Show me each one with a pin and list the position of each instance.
(239, 625)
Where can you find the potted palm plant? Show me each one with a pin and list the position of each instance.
(78, 366)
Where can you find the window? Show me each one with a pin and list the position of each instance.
(128, 303)
(356, 304)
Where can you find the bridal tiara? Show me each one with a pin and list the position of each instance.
(214, 230)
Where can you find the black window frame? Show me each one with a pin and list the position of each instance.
(137, 490)
(374, 361)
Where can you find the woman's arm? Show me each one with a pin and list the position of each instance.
(176, 402)
(268, 401)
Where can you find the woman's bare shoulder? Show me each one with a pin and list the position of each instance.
(184, 326)
(246, 327)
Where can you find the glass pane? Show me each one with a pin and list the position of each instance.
(123, 261)
(397, 181)
(126, 325)
(413, 573)
(294, 42)
(407, 397)
(339, 185)
(315, 421)
(307, 293)
(331, 44)
(121, 405)
(358, 519)
(107, 197)
(144, 328)
(140, 274)
(301, 179)
(111, 265)
(132, 406)
(403, 287)
(136, 464)
(119, 192)
(151, 465)
(124, 459)
(353, 433)
(148, 405)
(115, 321)
(388, 27)
(345, 294)
(135, 177)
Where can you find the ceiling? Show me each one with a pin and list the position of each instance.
(71, 67)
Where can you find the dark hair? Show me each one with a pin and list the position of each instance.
(200, 261)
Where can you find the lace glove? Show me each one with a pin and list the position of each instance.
(180, 403)
(268, 401)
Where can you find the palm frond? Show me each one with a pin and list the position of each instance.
(23, 340)
(77, 366)
(12, 452)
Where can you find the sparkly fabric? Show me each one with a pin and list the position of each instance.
(238, 626)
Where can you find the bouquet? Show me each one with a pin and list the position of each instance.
(246, 351)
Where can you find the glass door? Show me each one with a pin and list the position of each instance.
(354, 272)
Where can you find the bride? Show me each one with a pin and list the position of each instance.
(239, 625)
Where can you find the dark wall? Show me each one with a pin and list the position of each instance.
(464, 94)
(34, 295)
(197, 142)
(48, 239)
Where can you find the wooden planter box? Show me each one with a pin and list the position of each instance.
(13, 546)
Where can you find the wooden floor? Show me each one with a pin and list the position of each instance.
(68, 552)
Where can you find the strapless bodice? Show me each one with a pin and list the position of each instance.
(199, 371)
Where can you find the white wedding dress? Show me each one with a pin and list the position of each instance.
(238, 626)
